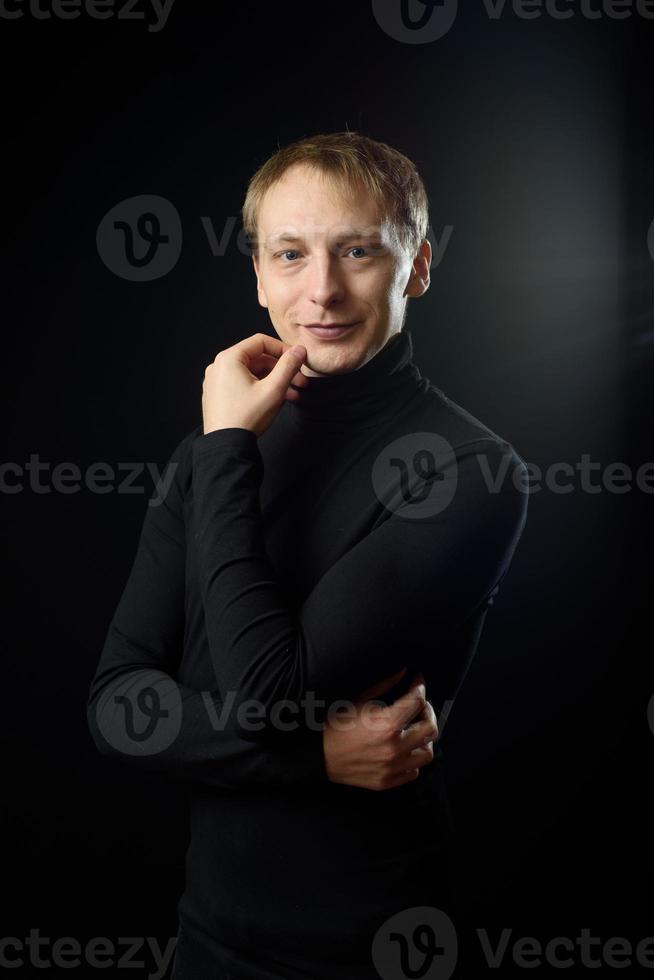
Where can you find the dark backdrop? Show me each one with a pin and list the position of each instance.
(534, 139)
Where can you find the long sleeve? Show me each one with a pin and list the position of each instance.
(397, 595)
(137, 711)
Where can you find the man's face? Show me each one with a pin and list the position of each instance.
(325, 260)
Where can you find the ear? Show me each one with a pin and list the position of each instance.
(419, 279)
(260, 292)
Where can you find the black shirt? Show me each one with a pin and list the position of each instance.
(367, 529)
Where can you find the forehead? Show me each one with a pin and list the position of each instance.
(309, 201)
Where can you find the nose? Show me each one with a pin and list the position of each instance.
(324, 283)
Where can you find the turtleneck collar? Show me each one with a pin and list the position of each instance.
(363, 397)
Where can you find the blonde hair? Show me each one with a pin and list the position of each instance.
(353, 161)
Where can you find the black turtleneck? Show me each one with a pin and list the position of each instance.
(365, 397)
(359, 534)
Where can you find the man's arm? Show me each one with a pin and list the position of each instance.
(138, 712)
(391, 598)
(136, 709)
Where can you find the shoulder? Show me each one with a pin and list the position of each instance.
(456, 423)
(484, 470)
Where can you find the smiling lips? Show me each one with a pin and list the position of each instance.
(328, 329)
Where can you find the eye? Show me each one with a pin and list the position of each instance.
(359, 248)
(289, 251)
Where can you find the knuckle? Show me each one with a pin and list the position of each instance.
(389, 748)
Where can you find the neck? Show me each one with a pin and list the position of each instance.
(363, 397)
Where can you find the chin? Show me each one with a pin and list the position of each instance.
(333, 361)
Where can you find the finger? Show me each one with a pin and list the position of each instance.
(300, 380)
(405, 777)
(427, 715)
(421, 755)
(286, 368)
(420, 733)
(408, 706)
(380, 686)
(263, 364)
(289, 359)
(292, 394)
(258, 344)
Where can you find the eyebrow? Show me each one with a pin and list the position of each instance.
(294, 239)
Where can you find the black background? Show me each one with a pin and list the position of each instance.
(534, 138)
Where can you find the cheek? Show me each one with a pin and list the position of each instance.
(375, 289)
(279, 296)
(388, 285)
(285, 289)
(388, 294)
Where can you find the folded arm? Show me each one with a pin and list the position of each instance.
(137, 710)
(397, 593)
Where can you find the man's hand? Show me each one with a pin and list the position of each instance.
(376, 746)
(248, 383)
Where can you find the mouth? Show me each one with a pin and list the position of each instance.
(328, 330)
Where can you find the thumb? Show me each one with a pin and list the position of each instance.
(286, 368)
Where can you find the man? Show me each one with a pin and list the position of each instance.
(329, 535)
